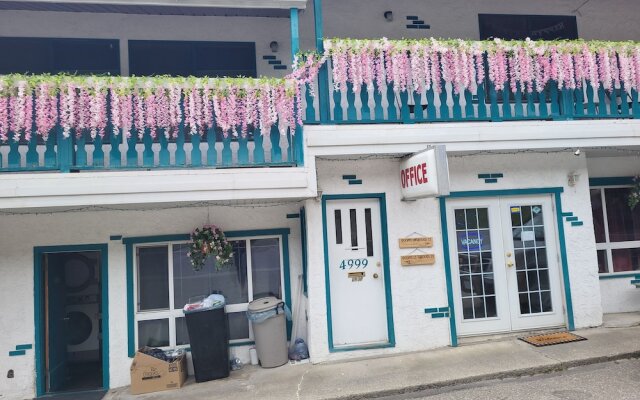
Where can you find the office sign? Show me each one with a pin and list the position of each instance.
(425, 174)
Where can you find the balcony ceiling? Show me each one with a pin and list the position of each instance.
(247, 8)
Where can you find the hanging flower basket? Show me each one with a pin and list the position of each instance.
(206, 242)
(634, 193)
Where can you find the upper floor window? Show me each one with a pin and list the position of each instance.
(535, 27)
(617, 230)
(179, 58)
(56, 55)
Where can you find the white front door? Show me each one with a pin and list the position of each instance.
(504, 264)
(356, 273)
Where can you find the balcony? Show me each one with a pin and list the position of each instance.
(341, 101)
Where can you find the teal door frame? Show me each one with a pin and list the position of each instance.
(557, 200)
(38, 282)
(385, 261)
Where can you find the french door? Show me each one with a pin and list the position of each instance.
(504, 264)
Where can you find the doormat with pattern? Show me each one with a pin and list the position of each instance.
(552, 338)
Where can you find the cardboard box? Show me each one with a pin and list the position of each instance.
(150, 374)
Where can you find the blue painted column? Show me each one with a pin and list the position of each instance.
(298, 137)
(323, 74)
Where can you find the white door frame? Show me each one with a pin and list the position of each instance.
(555, 192)
(380, 197)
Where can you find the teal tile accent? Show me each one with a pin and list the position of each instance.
(412, 27)
(567, 214)
(484, 176)
(635, 281)
(577, 223)
(279, 67)
(115, 237)
(569, 219)
(412, 17)
(443, 309)
(425, 26)
(291, 216)
(491, 180)
(497, 175)
(385, 269)
(275, 62)
(24, 347)
(431, 310)
(418, 22)
(355, 182)
(268, 57)
(348, 177)
(438, 315)
(17, 353)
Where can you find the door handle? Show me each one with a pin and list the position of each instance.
(509, 263)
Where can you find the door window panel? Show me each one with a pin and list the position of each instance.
(527, 228)
(265, 256)
(624, 224)
(475, 263)
(153, 333)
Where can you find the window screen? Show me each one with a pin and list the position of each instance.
(54, 55)
(177, 58)
(535, 27)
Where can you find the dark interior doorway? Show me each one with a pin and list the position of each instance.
(72, 311)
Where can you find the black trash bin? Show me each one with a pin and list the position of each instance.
(209, 341)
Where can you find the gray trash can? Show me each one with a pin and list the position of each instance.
(269, 331)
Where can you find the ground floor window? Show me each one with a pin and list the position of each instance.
(617, 230)
(165, 281)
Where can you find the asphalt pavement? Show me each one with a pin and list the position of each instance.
(619, 380)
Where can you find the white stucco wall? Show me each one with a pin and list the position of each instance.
(618, 295)
(19, 234)
(416, 288)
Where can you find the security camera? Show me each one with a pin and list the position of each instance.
(577, 152)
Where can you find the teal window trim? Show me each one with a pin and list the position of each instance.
(556, 192)
(381, 197)
(130, 242)
(295, 36)
(303, 244)
(611, 181)
(38, 252)
(619, 275)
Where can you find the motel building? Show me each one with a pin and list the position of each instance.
(395, 218)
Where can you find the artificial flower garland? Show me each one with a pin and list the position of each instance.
(206, 242)
(37, 103)
(424, 64)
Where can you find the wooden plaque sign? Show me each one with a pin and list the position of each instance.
(417, 259)
(415, 242)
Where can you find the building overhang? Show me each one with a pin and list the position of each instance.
(247, 8)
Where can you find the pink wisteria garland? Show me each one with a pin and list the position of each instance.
(524, 65)
(157, 105)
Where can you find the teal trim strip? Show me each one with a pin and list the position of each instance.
(355, 182)
(567, 214)
(303, 244)
(24, 347)
(506, 192)
(484, 176)
(387, 274)
(443, 309)
(447, 271)
(131, 241)
(348, 177)
(292, 216)
(438, 315)
(430, 310)
(497, 175)
(17, 353)
(577, 223)
(565, 263)
(38, 252)
(491, 180)
(617, 276)
(115, 237)
(569, 219)
(611, 181)
(295, 36)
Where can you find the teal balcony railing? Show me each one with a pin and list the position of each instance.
(384, 105)
(211, 150)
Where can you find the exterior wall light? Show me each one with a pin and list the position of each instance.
(274, 46)
(388, 15)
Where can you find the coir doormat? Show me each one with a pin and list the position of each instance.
(552, 338)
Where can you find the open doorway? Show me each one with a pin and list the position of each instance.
(72, 327)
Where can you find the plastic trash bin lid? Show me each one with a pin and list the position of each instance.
(264, 304)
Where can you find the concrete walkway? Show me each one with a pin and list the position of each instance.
(369, 378)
